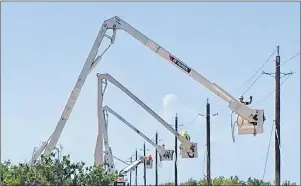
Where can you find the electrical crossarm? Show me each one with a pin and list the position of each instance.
(244, 113)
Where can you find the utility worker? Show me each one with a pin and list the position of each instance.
(163, 146)
(150, 157)
(241, 99)
(185, 135)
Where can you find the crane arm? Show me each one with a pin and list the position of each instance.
(186, 144)
(237, 107)
(132, 166)
(158, 147)
(120, 160)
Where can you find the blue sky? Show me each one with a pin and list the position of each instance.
(44, 46)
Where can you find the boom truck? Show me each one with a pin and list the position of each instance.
(245, 115)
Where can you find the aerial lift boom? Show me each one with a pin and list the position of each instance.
(167, 155)
(244, 113)
(109, 164)
(121, 160)
(103, 127)
(188, 147)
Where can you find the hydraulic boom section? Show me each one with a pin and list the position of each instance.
(132, 166)
(109, 163)
(166, 154)
(244, 112)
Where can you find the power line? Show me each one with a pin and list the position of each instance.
(258, 70)
(252, 84)
(204, 159)
(196, 117)
(289, 59)
(267, 157)
(273, 90)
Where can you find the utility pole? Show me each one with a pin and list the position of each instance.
(136, 168)
(277, 120)
(156, 161)
(144, 163)
(176, 152)
(144, 167)
(208, 142)
(277, 77)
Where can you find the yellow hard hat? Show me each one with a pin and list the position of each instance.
(184, 132)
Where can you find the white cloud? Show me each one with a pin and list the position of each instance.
(169, 99)
(170, 105)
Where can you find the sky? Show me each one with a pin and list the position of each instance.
(44, 46)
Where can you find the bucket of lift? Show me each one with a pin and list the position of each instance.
(246, 127)
(167, 155)
(193, 154)
(149, 162)
(120, 181)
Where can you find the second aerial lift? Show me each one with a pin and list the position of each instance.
(102, 138)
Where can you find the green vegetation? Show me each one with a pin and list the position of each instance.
(233, 180)
(52, 171)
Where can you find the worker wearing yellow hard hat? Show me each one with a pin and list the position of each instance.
(186, 135)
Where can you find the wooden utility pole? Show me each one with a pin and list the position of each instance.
(136, 171)
(156, 161)
(176, 152)
(208, 142)
(277, 77)
(144, 167)
(277, 120)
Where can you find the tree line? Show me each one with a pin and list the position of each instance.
(233, 180)
(50, 170)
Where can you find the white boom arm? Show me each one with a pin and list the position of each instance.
(131, 166)
(242, 110)
(114, 23)
(121, 160)
(186, 145)
(160, 149)
(109, 163)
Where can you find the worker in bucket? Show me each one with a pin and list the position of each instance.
(186, 135)
(241, 99)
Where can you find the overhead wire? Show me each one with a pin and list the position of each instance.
(252, 84)
(204, 159)
(268, 151)
(262, 100)
(289, 59)
(257, 70)
(189, 124)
